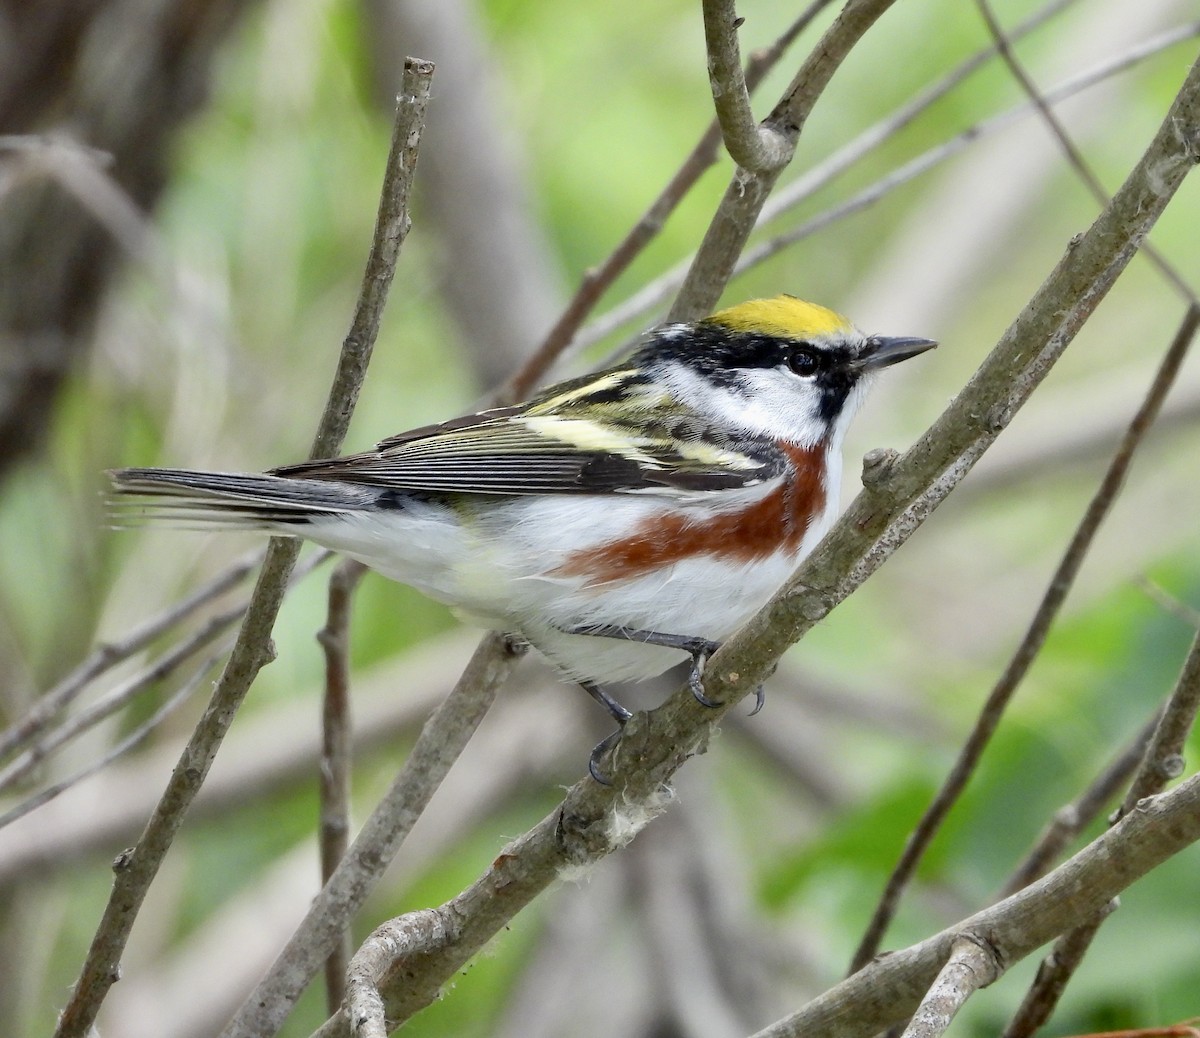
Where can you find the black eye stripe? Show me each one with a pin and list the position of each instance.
(804, 360)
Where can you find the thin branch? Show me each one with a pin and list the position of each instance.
(597, 280)
(744, 198)
(1070, 820)
(335, 754)
(135, 870)
(438, 747)
(758, 149)
(1031, 644)
(44, 796)
(267, 753)
(175, 657)
(1053, 975)
(659, 291)
(1073, 154)
(392, 223)
(133, 686)
(1170, 604)
(889, 989)
(109, 654)
(1163, 762)
(972, 965)
(336, 732)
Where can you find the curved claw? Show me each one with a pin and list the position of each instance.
(701, 649)
(760, 699)
(697, 686)
(601, 748)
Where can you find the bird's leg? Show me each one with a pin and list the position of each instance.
(698, 648)
(619, 714)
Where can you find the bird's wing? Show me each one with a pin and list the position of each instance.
(575, 440)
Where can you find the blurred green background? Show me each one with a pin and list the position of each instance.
(750, 895)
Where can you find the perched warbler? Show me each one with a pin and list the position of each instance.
(620, 522)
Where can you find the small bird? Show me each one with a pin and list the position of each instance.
(621, 522)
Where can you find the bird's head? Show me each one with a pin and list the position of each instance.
(777, 367)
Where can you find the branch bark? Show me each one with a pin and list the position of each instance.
(972, 965)
(758, 149)
(1163, 762)
(336, 737)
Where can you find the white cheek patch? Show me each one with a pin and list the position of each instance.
(771, 402)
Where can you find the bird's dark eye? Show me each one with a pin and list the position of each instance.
(804, 361)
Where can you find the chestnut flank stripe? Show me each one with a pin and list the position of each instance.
(776, 522)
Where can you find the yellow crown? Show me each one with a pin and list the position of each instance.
(783, 316)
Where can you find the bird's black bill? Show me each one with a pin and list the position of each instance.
(882, 351)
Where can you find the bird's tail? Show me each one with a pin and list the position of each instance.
(229, 500)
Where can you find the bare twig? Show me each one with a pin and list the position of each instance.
(1164, 756)
(1074, 155)
(888, 990)
(336, 733)
(1170, 604)
(659, 291)
(744, 198)
(133, 686)
(438, 747)
(391, 227)
(759, 149)
(44, 796)
(1069, 821)
(1035, 637)
(1053, 974)
(107, 655)
(114, 700)
(266, 753)
(599, 279)
(1163, 762)
(136, 869)
(972, 965)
